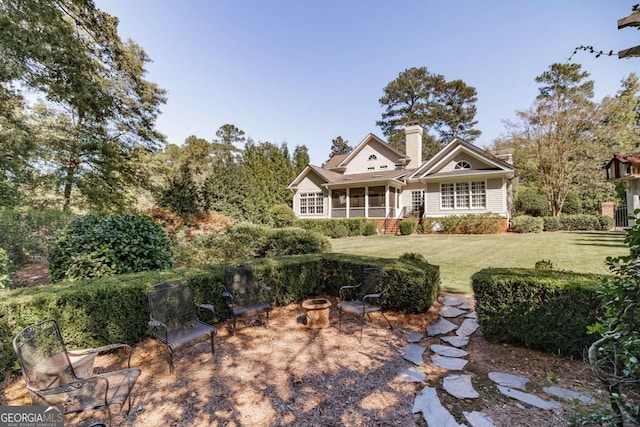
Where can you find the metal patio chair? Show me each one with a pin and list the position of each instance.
(364, 298)
(174, 317)
(244, 294)
(57, 376)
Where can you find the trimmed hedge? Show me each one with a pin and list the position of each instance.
(465, 224)
(542, 309)
(576, 222)
(115, 309)
(334, 227)
(527, 224)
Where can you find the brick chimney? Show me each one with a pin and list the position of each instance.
(413, 139)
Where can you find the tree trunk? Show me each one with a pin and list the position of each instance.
(68, 185)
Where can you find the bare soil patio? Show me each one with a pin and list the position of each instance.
(289, 375)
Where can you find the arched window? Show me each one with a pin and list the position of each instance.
(373, 157)
(462, 165)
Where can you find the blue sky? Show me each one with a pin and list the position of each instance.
(304, 72)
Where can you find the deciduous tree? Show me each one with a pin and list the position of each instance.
(620, 124)
(70, 52)
(554, 141)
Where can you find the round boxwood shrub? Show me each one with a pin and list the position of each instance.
(370, 228)
(531, 201)
(280, 216)
(98, 245)
(406, 227)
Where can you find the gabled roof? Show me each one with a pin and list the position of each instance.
(334, 161)
(366, 141)
(632, 159)
(433, 165)
(325, 175)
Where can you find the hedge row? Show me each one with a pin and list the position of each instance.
(334, 227)
(465, 224)
(115, 308)
(542, 309)
(531, 224)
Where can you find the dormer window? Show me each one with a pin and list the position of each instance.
(373, 157)
(462, 165)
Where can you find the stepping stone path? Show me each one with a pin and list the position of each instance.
(452, 357)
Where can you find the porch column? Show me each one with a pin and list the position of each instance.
(348, 203)
(330, 204)
(386, 200)
(366, 201)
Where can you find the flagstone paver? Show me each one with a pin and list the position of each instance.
(432, 410)
(414, 337)
(455, 340)
(412, 375)
(528, 398)
(413, 353)
(445, 350)
(451, 363)
(472, 315)
(441, 327)
(468, 327)
(467, 305)
(569, 395)
(460, 386)
(450, 311)
(508, 380)
(454, 300)
(479, 419)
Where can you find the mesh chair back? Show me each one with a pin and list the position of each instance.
(240, 281)
(42, 355)
(171, 303)
(371, 282)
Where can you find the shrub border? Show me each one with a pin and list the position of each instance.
(115, 308)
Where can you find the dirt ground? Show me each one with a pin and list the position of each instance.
(290, 375)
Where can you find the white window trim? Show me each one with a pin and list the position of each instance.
(469, 198)
(411, 205)
(314, 201)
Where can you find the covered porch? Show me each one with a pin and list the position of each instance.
(369, 201)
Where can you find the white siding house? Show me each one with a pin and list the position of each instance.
(377, 181)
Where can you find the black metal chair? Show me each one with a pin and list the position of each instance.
(174, 317)
(244, 294)
(364, 298)
(56, 376)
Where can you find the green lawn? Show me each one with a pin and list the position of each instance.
(459, 256)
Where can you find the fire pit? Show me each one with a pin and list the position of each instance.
(317, 311)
